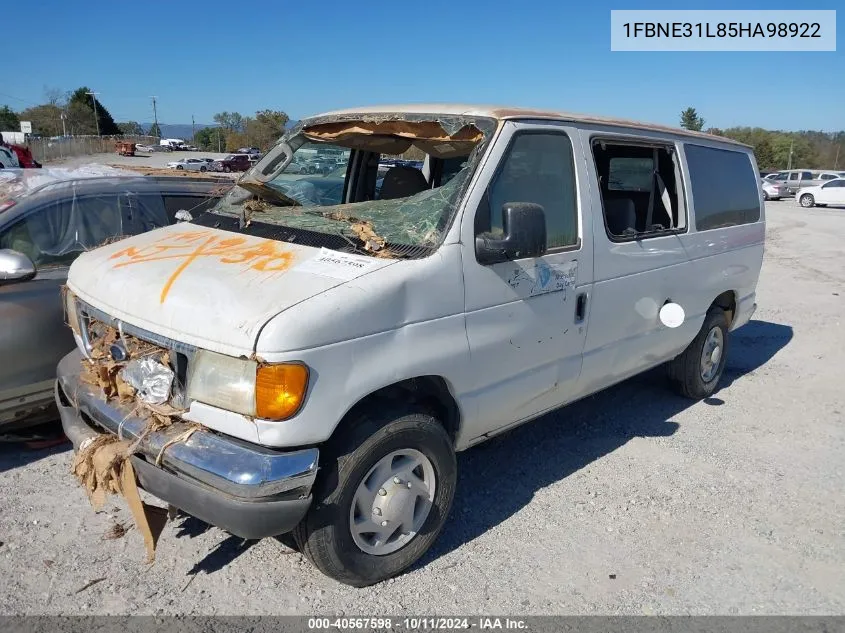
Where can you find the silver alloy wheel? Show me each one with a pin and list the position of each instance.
(711, 354)
(392, 502)
(807, 201)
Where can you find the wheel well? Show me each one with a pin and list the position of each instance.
(726, 301)
(431, 392)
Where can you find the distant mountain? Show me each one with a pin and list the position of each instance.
(181, 130)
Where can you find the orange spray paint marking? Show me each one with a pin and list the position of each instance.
(263, 255)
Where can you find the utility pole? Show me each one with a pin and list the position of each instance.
(193, 132)
(218, 141)
(155, 114)
(96, 118)
(836, 160)
(789, 163)
(64, 129)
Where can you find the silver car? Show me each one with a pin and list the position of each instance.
(41, 233)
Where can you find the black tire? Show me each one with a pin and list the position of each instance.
(685, 371)
(226, 169)
(766, 197)
(324, 535)
(203, 168)
(807, 201)
(179, 168)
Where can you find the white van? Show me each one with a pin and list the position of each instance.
(338, 342)
(172, 143)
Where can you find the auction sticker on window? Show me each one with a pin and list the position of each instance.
(337, 265)
(724, 30)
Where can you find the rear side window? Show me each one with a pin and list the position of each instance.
(724, 187)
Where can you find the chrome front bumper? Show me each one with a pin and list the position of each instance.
(222, 480)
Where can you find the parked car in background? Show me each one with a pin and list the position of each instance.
(190, 148)
(254, 158)
(143, 147)
(8, 158)
(25, 157)
(830, 192)
(233, 162)
(189, 164)
(778, 175)
(41, 233)
(830, 175)
(773, 190)
(248, 150)
(799, 178)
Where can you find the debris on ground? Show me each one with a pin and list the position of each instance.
(89, 584)
(116, 530)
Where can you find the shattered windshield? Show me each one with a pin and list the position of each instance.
(401, 210)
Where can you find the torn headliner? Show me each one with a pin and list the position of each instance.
(440, 135)
(500, 113)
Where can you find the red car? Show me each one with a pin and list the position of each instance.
(233, 162)
(25, 158)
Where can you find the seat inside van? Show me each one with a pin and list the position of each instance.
(638, 186)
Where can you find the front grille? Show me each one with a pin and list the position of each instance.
(94, 323)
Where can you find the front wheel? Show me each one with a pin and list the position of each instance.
(696, 372)
(203, 169)
(179, 167)
(807, 201)
(227, 169)
(383, 496)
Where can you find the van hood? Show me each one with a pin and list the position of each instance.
(207, 287)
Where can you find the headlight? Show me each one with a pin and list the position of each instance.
(273, 392)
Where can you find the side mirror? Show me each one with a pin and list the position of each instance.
(15, 266)
(524, 226)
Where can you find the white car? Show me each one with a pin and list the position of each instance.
(831, 192)
(140, 147)
(190, 164)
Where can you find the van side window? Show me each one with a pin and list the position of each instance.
(538, 168)
(640, 190)
(724, 187)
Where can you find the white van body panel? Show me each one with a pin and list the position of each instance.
(506, 350)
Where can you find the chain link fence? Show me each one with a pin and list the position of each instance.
(49, 149)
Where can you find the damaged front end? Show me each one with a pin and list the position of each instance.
(121, 398)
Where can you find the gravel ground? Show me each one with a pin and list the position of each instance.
(154, 163)
(632, 501)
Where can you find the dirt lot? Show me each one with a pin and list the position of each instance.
(154, 163)
(633, 501)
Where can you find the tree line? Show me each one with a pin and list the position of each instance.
(75, 113)
(235, 130)
(772, 148)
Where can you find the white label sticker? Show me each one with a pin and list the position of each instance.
(338, 265)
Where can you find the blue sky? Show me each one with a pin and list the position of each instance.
(306, 57)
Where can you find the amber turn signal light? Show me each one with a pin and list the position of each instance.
(279, 390)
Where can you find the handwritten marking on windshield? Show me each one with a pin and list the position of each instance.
(188, 247)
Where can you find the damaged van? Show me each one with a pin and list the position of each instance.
(309, 355)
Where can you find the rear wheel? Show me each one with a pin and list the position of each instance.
(179, 167)
(696, 372)
(226, 169)
(383, 495)
(807, 201)
(203, 168)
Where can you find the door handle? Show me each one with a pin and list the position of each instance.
(580, 307)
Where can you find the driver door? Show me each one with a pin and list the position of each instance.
(526, 319)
